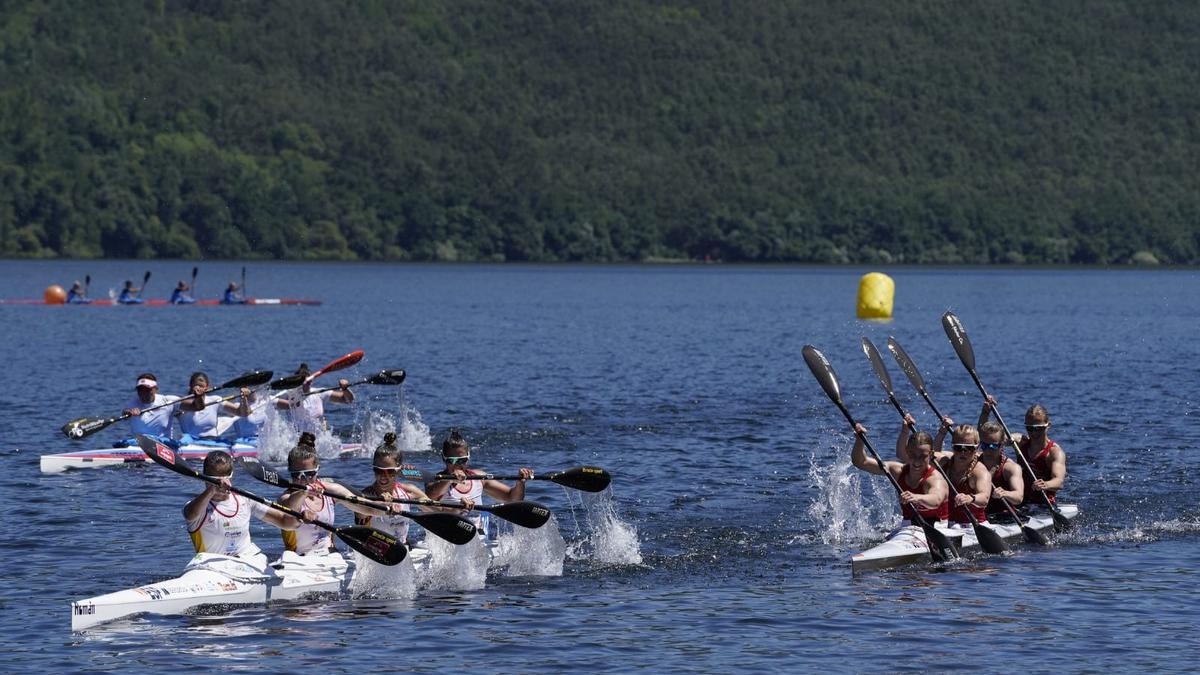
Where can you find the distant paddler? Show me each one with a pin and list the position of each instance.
(315, 501)
(233, 295)
(922, 489)
(130, 294)
(78, 294)
(307, 408)
(457, 456)
(219, 520)
(182, 294)
(156, 423)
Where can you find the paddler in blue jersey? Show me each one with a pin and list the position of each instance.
(77, 295)
(130, 294)
(181, 295)
(218, 520)
(456, 454)
(156, 423)
(233, 295)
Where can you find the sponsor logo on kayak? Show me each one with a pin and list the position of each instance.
(151, 591)
(228, 586)
(165, 452)
(83, 610)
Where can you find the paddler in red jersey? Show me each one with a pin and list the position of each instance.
(1007, 482)
(961, 464)
(922, 487)
(1045, 457)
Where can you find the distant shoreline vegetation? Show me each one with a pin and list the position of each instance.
(859, 133)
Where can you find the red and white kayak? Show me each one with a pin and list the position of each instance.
(906, 545)
(105, 302)
(95, 459)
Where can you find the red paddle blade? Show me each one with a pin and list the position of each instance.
(339, 363)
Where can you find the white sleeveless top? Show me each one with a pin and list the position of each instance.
(249, 426)
(394, 523)
(474, 492)
(155, 422)
(308, 412)
(309, 538)
(225, 527)
(201, 423)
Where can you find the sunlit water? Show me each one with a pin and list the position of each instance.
(724, 541)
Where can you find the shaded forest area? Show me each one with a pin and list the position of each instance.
(623, 130)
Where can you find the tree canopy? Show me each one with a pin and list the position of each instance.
(576, 130)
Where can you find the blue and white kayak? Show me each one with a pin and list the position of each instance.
(102, 457)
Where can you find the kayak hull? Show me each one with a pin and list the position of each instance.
(103, 457)
(906, 545)
(105, 302)
(218, 580)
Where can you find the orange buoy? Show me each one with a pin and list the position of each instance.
(54, 295)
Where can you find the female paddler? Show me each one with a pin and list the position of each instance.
(388, 465)
(315, 501)
(921, 487)
(457, 454)
(219, 520)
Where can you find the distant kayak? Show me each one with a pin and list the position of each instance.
(95, 459)
(167, 303)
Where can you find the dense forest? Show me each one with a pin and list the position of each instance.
(580, 130)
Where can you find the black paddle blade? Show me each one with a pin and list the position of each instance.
(906, 364)
(1061, 522)
(165, 455)
(823, 371)
(958, 337)
(525, 514)
(585, 478)
(86, 426)
(877, 363)
(989, 540)
(289, 382)
(381, 547)
(251, 379)
(1034, 537)
(941, 549)
(387, 377)
(265, 474)
(453, 528)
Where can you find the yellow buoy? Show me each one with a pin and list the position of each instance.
(54, 295)
(875, 295)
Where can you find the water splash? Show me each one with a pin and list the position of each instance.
(610, 539)
(412, 434)
(531, 552)
(838, 510)
(454, 568)
(372, 580)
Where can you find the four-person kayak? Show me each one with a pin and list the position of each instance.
(907, 545)
(102, 457)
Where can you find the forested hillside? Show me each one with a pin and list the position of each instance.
(572, 130)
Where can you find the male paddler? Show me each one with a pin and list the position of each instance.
(922, 488)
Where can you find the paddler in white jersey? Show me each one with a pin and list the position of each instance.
(308, 412)
(314, 501)
(155, 423)
(219, 520)
(456, 454)
(199, 410)
(388, 463)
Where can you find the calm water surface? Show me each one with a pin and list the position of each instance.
(724, 542)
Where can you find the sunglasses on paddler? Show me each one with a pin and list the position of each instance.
(960, 447)
(990, 446)
(457, 460)
(305, 473)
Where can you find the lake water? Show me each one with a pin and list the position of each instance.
(724, 541)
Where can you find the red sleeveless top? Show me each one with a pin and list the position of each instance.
(937, 513)
(995, 504)
(958, 514)
(1041, 469)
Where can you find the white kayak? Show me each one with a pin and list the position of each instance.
(906, 545)
(102, 457)
(212, 579)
